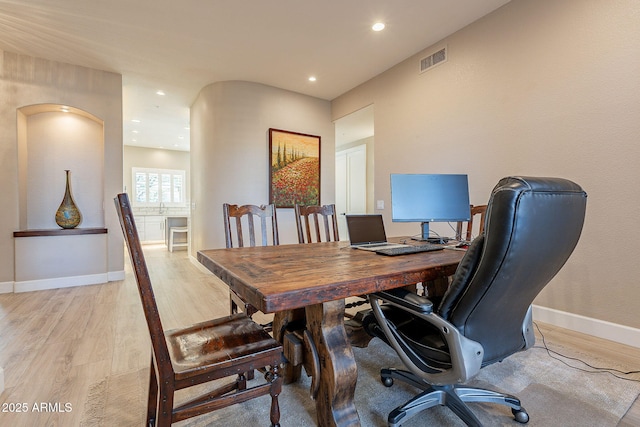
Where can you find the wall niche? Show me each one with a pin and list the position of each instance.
(53, 138)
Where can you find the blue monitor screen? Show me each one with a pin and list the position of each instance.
(429, 198)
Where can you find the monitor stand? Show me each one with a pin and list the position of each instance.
(424, 237)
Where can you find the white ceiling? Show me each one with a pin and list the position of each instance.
(181, 46)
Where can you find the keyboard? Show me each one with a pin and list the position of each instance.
(379, 246)
(410, 249)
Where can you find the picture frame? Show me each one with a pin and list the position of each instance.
(294, 168)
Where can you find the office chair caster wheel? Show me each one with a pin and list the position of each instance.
(520, 415)
(387, 381)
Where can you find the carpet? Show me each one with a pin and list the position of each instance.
(552, 393)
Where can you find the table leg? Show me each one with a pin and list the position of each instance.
(338, 371)
(436, 287)
(282, 323)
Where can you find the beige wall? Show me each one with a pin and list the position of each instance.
(230, 152)
(535, 88)
(28, 81)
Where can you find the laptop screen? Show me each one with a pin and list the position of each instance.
(365, 229)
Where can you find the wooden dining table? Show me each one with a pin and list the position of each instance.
(317, 277)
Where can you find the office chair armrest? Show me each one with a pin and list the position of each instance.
(466, 355)
(407, 299)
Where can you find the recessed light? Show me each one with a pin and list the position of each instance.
(378, 26)
(312, 79)
(160, 92)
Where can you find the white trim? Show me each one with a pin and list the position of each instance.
(6, 287)
(60, 282)
(586, 325)
(38, 285)
(115, 276)
(1, 380)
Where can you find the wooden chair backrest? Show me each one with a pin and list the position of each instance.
(475, 210)
(139, 265)
(266, 214)
(305, 215)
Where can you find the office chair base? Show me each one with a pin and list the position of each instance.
(451, 396)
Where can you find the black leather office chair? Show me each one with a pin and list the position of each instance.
(532, 227)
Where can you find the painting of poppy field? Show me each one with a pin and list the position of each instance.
(295, 168)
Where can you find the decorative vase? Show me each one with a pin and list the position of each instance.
(68, 215)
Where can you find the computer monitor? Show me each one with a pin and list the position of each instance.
(429, 198)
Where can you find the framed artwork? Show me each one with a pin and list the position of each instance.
(294, 171)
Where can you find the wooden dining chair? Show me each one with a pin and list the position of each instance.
(290, 326)
(248, 215)
(308, 220)
(181, 358)
(475, 210)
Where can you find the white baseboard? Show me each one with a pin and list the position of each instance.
(115, 276)
(6, 287)
(60, 282)
(586, 325)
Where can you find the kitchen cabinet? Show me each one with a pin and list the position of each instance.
(150, 228)
(154, 228)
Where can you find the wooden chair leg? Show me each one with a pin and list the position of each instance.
(165, 405)
(233, 307)
(152, 404)
(273, 376)
(241, 381)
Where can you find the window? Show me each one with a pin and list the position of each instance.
(155, 186)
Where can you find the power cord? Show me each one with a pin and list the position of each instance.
(593, 369)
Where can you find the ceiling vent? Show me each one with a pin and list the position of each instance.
(434, 59)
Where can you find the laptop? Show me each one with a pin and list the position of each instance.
(367, 232)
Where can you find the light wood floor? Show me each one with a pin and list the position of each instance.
(84, 353)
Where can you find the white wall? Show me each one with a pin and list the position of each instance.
(230, 124)
(538, 87)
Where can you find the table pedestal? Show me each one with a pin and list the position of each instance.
(338, 370)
